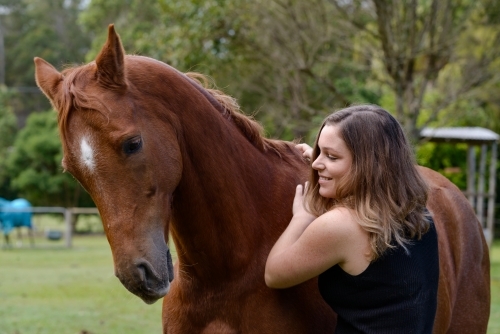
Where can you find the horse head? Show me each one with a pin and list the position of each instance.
(121, 159)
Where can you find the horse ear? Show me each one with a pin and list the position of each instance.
(48, 79)
(110, 61)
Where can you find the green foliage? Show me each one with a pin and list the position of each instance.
(35, 165)
(448, 159)
(289, 63)
(8, 129)
(8, 123)
(465, 92)
(135, 20)
(184, 34)
(45, 29)
(249, 48)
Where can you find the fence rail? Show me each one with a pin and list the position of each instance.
(66, 212)
(69, 212)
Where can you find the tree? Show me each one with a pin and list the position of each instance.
(472, 82)
(185, 34)
(8, 129)
(46, 29)
(8, 123)
(299, 60)
(417, 41)
(285, 55)
(35, 165)
(137, 21)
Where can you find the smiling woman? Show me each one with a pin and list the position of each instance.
(363, 228)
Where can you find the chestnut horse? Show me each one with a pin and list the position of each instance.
(160, 154)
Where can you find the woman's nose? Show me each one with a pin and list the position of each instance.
(317, 164)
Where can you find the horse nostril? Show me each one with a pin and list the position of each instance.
(147, 275)
(142, 272)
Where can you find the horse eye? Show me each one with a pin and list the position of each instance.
(132, 146)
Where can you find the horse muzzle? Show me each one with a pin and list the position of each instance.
(146, 282)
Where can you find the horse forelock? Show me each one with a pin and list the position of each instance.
(75, 96)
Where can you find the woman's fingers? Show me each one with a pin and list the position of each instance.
(305, 149)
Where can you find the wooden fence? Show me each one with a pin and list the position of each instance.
(67, 213)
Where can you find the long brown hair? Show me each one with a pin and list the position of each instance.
(383, 186)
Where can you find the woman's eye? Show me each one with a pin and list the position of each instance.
(331, 157)
(132, 146)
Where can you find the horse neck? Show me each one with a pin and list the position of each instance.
(233, 200)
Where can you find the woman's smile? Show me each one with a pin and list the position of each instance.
(323, 179)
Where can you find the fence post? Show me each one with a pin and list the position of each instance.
(480, 185)
(471, 174)
(490, 220)
(68, 215)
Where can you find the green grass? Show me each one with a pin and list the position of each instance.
(494, 324)
(58, 290)
(72, 291)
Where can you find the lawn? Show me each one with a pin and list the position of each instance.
(494, 324)
(74, 291)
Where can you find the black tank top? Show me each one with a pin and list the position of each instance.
(397, 293)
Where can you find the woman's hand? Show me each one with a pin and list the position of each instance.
(300, 206)
(306, 150)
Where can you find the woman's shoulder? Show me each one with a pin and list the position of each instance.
(339, 213)
(352, 240)
(340, 220)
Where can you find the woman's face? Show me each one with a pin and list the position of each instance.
(333, 162)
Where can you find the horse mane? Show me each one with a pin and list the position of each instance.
(230, 109)
(75, 97)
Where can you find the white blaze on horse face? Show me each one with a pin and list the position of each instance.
(87, 154)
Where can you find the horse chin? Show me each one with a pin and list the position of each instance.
(151, 297)
(148, 291)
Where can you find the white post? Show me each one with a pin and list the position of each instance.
(471, 175)
(480, 186)
(491, 194)
(68, 215)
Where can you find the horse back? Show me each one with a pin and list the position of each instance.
(464, 279)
